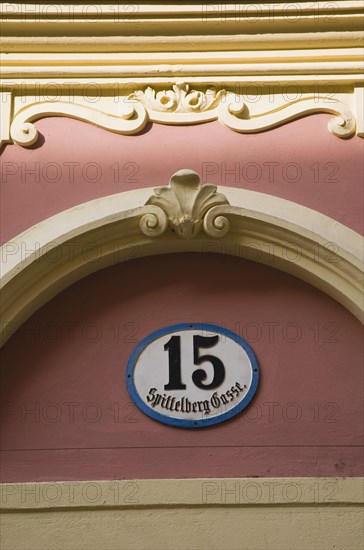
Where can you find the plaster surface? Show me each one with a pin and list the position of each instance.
(67, 414)
(74, 162)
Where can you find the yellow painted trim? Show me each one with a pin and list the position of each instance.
(332, 61)
(53, 254)
(219, 42)
(343, 14)
(138, 493)
(203, 514)
(270, 50)
(176, 105)
(338, 66)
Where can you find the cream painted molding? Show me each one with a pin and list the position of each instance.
(56, 252)
(181, 104)
(313, 65)
(252, 67)
(184, 20)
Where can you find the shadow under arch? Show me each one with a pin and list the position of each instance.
(55, 253)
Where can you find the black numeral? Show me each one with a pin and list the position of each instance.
(219, 370)
(174, 350)
(173, 346)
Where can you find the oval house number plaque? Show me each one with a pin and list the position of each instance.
(192, 375)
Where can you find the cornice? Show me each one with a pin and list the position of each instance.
(153, 17)
(200, 42)
(179, 26)
(87, 61)
(333, 63)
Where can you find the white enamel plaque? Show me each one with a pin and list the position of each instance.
(192, 375)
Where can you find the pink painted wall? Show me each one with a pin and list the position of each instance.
(67, 365)
(75, 162)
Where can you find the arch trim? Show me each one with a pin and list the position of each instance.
(53, 254)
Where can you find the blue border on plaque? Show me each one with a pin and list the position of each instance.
(177, 422)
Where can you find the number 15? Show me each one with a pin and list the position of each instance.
(173, 346)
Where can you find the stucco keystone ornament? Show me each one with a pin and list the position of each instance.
(187, 206)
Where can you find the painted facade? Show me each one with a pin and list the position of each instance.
(248, 122)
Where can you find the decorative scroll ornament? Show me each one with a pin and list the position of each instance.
(129, 119)
(177, 106)
(179, 100)
(185, 206)
(234, 114)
